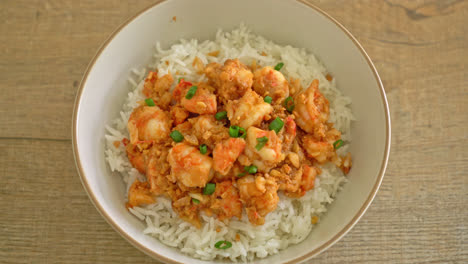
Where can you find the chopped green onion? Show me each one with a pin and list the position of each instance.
(191, 92)
(180, 79)
(338, 144)
(223, 244)
(234, 131)
(261, 142)
(221, 115)
(237, 131)
(279, 66)
(252, 169)
(195, 201)
(268, 99)
(149, 102)
(209, 188)
(289, 104)
(276, 125)
(203, 149)
(244, 133)
(176, 136)
(241, 174)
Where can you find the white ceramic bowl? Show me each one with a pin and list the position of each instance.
(103, 89)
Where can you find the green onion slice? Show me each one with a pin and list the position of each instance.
(289, 104)
(149, 102)
(209, 188)
(237, 131)
(221, 115)
(241, 174)
(268, 99)
(279, 66)
(234, 131)
(181, 79)
(191, 92)
(261, 142)
(203, 149)
(244, 133)
(195, 201)
(276, 125)
(222, 244)
(176, 136)
(252, 169)
(338, 144)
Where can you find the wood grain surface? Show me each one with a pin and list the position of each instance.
(420, 214)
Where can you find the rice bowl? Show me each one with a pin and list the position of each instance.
(319, 240)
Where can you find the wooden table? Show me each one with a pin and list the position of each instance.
(420, 214)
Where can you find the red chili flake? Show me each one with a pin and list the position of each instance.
(125, 141)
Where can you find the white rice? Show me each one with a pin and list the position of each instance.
(291, 222)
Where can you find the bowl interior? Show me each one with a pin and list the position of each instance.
(104, 89)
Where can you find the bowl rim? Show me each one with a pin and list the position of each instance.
(165, 259)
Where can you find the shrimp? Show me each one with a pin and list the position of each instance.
(158, 89)
(268, 155)
(189, 166)
(289, 133)
(268, 81)
(303, 181)
(225, 202)
(157, 168)
(139, 193)
(226, 153)
(312, 110)
(308, 178)
(186, 209)
(319, 150)
(137, 156)
(208, 130)
(259, 195)
(148, 123)
(231, 80)
(248, 111)
(343, 162)
(288, 179)
(178, 114)
(203, 102)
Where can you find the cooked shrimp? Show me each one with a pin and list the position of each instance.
(139, 193)
(137, 156)
(267, 156)
(225, 202)
(226, 153)
(312, 110)
(178, 114)
(248, 111)
(288, 179)
(289, 133)
(231, 80)
(157, 169)
(259, 195)
(187, 210)
(208, 130)
(308, 178)
(148, 123)
(268, 81)
(158, 89)
(203, 102)
(181, 90)
(189, 166)
(319, 150)
(304, 181)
